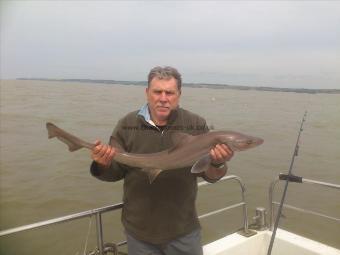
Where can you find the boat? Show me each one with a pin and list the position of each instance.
(250, 239)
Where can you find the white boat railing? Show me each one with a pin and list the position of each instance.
(297, 179)
(110, 247)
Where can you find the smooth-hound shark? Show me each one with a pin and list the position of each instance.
(187, 151)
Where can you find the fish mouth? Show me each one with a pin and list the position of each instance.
(241, 145)
(258, 141)
(255, 142)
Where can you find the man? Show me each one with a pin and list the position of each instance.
(159, 218)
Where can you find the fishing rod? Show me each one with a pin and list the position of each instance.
(288, 178)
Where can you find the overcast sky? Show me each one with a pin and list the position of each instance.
(254, 43)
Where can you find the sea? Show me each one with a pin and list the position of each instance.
(40, 179)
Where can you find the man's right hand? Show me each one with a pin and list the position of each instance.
(103, 154)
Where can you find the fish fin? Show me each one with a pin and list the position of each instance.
(115, 144)
(71, 146)
(54, 131)
(202, 164)
(51, 130)
(152, 173)
(179, 139)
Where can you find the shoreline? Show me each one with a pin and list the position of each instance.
(197, 85)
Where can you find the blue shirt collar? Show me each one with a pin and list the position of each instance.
(145, 113)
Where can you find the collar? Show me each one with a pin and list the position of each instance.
(145, 113)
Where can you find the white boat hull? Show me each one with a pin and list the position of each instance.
(285, 243)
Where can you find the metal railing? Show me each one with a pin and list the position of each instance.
(242, 203)
(298, 180)
(104, 248)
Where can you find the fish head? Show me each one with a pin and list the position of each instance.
(239, 142)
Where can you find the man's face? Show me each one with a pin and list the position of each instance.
(162, 96)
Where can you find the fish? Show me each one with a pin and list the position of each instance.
(187, 150)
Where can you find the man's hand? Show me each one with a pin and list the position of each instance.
(221, 153)
(103, 154)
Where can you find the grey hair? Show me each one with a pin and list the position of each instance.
(166, 72)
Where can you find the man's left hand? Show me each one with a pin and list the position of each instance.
(221, 153)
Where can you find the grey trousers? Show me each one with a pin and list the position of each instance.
(189, 244)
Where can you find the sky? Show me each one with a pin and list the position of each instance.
(290, 44)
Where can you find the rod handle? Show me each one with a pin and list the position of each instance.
(290, 177)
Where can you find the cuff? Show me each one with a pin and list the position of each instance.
(223, 168)
(95, 169)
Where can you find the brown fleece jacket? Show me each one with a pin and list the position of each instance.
(164, 210)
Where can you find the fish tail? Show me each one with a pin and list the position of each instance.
(71, 141)
(51, 130)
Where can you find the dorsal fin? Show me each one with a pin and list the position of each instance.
(179, 139)
(115, 144)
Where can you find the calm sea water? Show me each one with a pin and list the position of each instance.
(40, 179)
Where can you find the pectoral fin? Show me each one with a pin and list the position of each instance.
(202, 164)
(152, 173)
